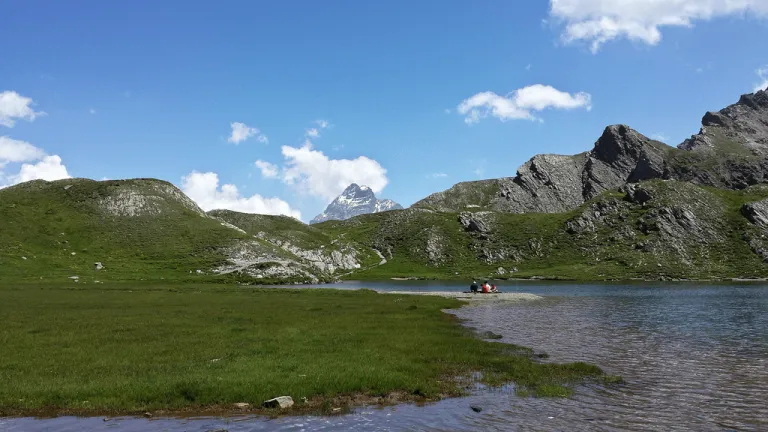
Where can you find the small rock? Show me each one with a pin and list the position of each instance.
(106, 419)
(73, 253)
(98, 266)
(67, 187)
(217, 430)
(148, 415)
(242, 405)
(335, 409)
(74, 278)
(501, 271)
(476, 408)
(198, 271)
(279, 402)
(24, 258)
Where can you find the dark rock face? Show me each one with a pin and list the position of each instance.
(553, 184)
(355, 201)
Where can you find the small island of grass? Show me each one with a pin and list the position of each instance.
(112, 349)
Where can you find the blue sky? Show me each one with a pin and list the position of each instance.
(414, 96)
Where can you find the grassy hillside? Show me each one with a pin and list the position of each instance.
(684, 231)
(137, 228)
(140, 229)
(147, 229)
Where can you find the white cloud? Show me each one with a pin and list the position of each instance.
(600, 21)
(268, 170)
(763, 74)
(520, 103)
(528, 67)
(14, 106)
(48, 168)
(312, 133)
(660, 137)
(438, 175)
(92, 111)
(241, 132)
(314, 173)
(12, 150)
(204, 189)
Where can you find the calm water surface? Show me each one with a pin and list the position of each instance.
(694, 357)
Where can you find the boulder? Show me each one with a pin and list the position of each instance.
(242, 405)
(475, 222)
(98, 266)
(281, 402)
(637, 194)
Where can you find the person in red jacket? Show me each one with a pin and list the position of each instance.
(486, 287)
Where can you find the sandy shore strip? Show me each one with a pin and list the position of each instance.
(471, 297)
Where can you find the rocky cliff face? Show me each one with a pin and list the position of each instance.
(355, 201)
(731, 151)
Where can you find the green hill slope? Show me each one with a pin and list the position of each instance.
(137, 229)
(652, 230)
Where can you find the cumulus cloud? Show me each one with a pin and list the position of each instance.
(438, 175)
(204, 189)
(14, 106)
(521, 103)
(763, 74)
(36, 164)
(48, 168)
(241, 132)
(268, 170)
(315, 173)
(599, 21)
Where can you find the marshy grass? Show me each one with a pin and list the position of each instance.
(126, 349)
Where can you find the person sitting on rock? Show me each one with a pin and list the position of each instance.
(493, 289)
(486, 287)
(474, 288)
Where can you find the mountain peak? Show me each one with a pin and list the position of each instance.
(355, 200)
(738, 128)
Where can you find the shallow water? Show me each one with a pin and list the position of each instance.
(694, 357)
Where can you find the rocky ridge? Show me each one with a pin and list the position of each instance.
(730, 151)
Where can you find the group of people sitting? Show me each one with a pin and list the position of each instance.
(485, 288)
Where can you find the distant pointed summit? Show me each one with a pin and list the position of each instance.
(355, 201)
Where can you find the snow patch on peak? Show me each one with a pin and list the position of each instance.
(354, 201)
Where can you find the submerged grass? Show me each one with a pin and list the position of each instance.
(123, 348)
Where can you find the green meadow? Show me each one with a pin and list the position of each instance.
(106, 349)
